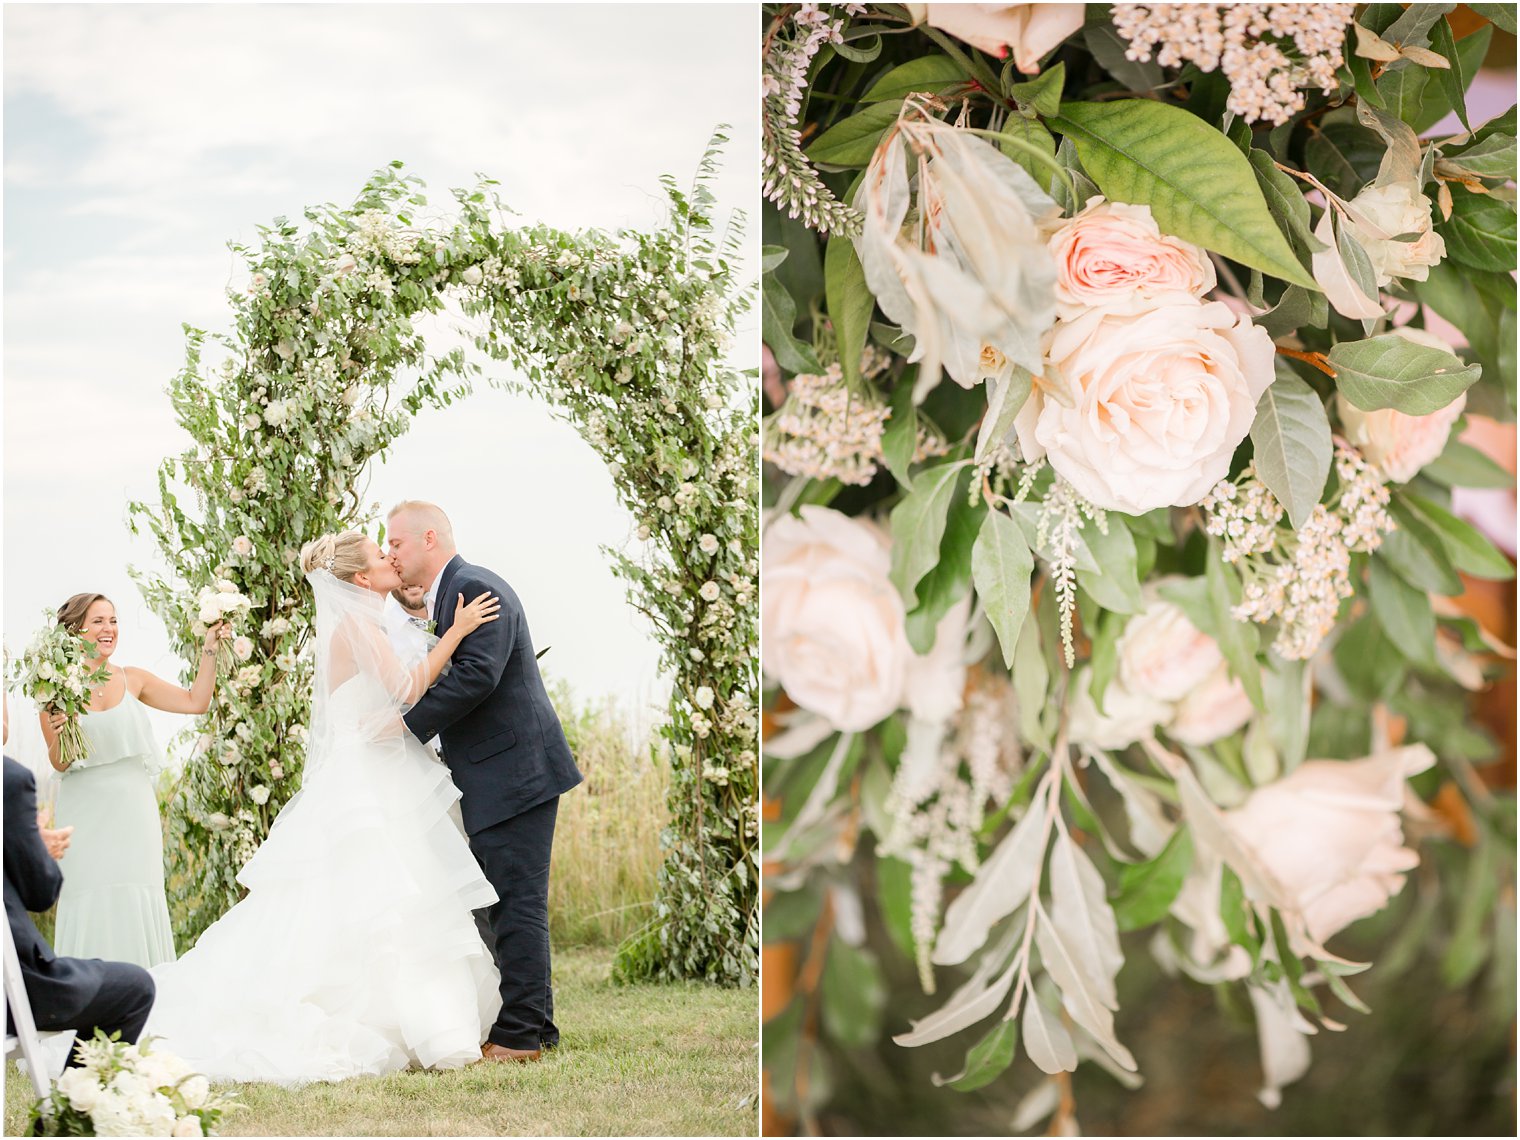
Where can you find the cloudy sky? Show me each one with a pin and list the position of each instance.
(140, 139)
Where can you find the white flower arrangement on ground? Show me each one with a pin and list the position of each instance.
(123, 1089)
(56, 671)
(1174, 577)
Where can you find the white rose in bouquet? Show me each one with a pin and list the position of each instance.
(1126, 716)
(1379, 214)
(472, 275)
(1146, 410)
(832, 625)
(1212, 709)
(1161, 653)
(1329, 832)
(1397, 443)
(189, 1126)
(242, 648)
(81, 1087)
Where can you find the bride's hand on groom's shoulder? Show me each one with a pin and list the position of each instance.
(468, 618)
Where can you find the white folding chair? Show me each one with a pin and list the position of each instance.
(25, 1042)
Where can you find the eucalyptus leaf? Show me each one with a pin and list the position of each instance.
(1468, 550)
(1198, 185)
(1404, 613)
(850, 305)
(1291, 436)
(1147, 890)
(989, 1057)
(918, 525)
(1046, 1040)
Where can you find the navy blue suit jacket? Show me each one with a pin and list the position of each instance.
(58, 988)
(502, 739)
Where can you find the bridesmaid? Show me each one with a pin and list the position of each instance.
(112, 905)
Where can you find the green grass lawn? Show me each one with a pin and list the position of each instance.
(672, 1060)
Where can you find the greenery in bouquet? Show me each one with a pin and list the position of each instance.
(124, 1089)
(56, 672)
(1119, 359)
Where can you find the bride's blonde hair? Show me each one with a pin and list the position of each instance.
(341, 555)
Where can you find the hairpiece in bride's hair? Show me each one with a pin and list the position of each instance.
(329, 563)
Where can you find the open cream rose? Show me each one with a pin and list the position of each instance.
(1329, 833)
(1211, 710)
(1139, 411)
(1114, 255)
(1161, 653)
(1028, 30)
(1379, 214)
(1401, 444)
(1126, 716)
(832, 625)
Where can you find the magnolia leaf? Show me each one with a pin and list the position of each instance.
(1370, 45)
(1452, 79)
(933, 73)
(1481, 232)
(1284, 199)
(1494, 157)
(1390, 372)
(1080, 912)
(1291, 435)
(1147, 890)
(1043, 93)
(1468, 550)
(918, 526)
(1404, 613)
(1079, 992)
(851, 142)
(970, 1003)
(1046, 1040)
(1001, 565)
(1001, 886)
(1197, 183)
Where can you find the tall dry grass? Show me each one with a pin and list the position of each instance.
(607, 838)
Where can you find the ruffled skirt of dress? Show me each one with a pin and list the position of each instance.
(355, 951)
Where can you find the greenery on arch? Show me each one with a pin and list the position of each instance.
(624, 335)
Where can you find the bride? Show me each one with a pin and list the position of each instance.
(354, 951)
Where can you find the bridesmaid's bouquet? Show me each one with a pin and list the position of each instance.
(56, 672)
(222, 602)
(121, 1089)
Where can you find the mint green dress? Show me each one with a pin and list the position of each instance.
(112, 905)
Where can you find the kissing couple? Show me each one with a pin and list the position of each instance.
(355, 950)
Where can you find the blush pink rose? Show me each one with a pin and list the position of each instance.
(1162, 654)
(1114, 255)
(832, 627)
(1401, 444)
(1030, 31)
(1139, 411)
(1211, 710)
(1126, 716)
(1329, 833)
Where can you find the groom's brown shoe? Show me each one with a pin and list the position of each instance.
(491, 1051)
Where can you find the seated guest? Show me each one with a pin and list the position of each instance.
(79, 994)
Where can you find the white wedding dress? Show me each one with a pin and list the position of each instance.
(354, 952)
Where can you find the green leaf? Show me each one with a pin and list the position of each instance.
(894, 886)
(1452, 80)
(1147, 890)
(1033, 133)
(1502, 16)
(1199, 186)
(1291, 435)
(1105, 655)
(1235, 912)
(1390, 372)
(1463, 466)
(851, 142)
(1494, 157)
(1360, 70)
(1109, 49)
(1415, 555)
(1468, 550)
(853, 995)
(1288, 710)
(1115, 585)
(1468, 948)
(933, 73)
(918, 525)
(989, 1057)
(850, 304)
(1001, 565)
(857, 54)
(899, 440)
(1404, 613)
(1480, 232)
(778, 313)
(1284, 199)
(950, 579)
(1043, 93)
(1004, 403)
(1031, 681)
(1237, 640)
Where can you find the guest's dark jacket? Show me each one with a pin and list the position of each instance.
(59, 988)
(501, 738)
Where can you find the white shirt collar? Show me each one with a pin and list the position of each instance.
(430, 598)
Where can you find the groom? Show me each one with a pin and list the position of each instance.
(504, 746)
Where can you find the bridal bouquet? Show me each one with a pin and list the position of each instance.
(56, 672)
(1120, 361)
(121, 1089)
(223, 602)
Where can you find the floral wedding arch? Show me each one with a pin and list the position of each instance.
(624, 335)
